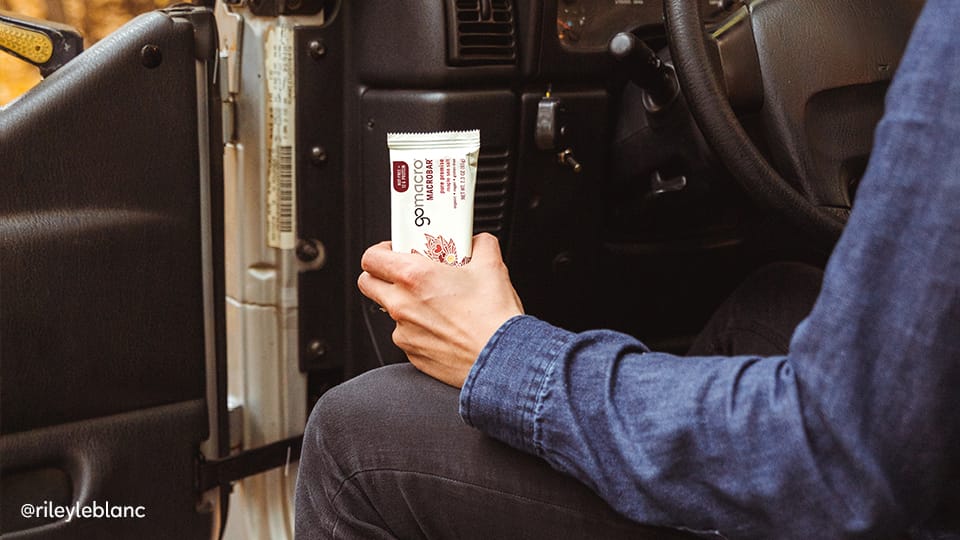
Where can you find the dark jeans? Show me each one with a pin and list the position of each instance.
(386, 455)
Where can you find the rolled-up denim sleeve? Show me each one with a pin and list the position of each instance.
(510, 392)
(649, 432)
(854, 434)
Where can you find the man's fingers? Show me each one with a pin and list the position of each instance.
(374, 288)
(374, 255)
(381, 262)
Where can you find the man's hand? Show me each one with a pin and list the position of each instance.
(445, 315)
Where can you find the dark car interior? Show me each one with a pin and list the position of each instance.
(615, 209)
(638, 160)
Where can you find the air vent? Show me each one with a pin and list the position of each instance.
(481, 32)
(490, 198)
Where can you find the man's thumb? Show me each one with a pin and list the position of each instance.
(486, 247)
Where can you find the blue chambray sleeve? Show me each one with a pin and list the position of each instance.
(513, 401)
(854, 434)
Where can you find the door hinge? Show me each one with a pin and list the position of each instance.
(230, 26)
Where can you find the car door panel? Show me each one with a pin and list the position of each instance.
(108, 329)
(139, 459)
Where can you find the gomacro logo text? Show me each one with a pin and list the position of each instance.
(422, 190)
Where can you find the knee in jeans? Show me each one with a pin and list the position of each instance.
(349, 415)
(325, 430)
(320, 423)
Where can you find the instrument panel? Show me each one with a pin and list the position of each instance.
(588, 25)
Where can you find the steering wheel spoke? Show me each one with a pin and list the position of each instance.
(738, 60)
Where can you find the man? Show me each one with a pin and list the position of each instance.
(854, 432)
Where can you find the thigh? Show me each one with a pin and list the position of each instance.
(387, 456)
(760, 316)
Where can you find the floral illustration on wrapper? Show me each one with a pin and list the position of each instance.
(441, 250)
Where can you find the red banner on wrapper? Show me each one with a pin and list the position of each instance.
(401, 176)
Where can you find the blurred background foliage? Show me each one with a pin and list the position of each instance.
(93, 18)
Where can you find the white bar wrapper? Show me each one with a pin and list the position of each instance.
(433, 179)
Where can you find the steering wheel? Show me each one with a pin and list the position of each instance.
(816, 72)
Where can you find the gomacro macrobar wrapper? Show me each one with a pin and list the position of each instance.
(433, 179)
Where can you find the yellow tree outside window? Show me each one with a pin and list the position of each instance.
(93, 18)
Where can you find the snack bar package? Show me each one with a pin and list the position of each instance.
(434, 176)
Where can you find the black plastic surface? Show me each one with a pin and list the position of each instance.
(323, 308)
(102, 317)
(144, 458)
(41, 484)
(822, 47)
(100, 240)
(273, 8)
(557, 213)
(405, 44)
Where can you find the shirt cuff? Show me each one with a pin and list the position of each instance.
(503, 391)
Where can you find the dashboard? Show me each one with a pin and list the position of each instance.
(588, 25)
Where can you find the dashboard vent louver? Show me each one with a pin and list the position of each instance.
(490, 198)
(481, 32)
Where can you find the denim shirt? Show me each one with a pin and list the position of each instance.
(854, 434)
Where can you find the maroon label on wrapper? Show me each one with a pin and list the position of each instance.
(401, 176)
